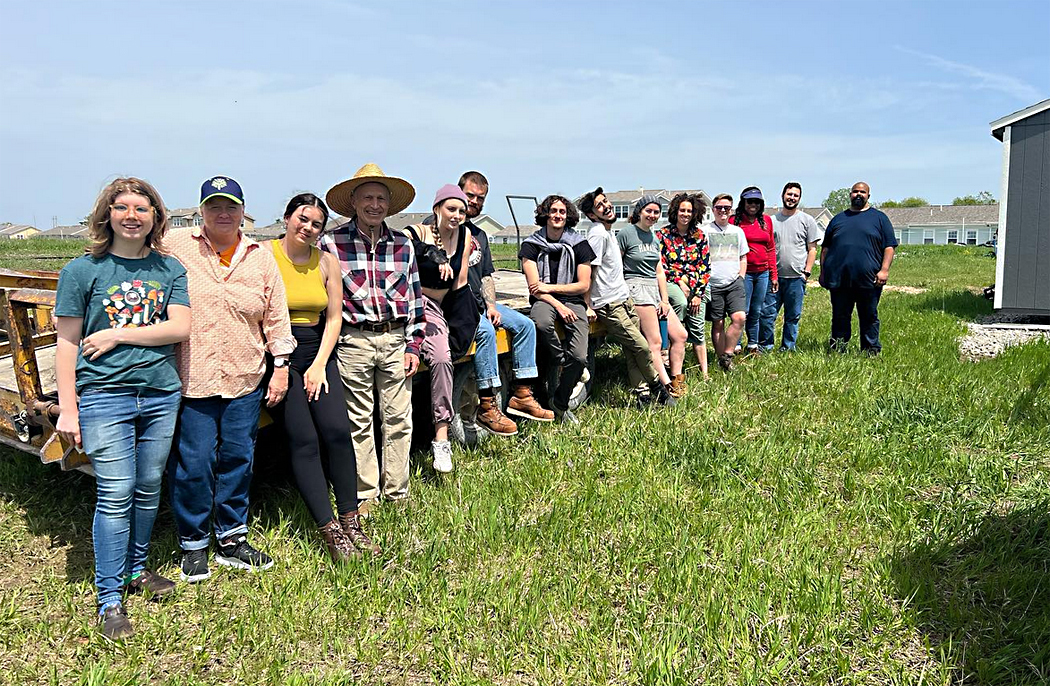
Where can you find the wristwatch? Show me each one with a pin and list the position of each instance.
(280, 362)
(806, 274)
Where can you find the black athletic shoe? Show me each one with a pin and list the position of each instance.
(237, 552)
(660, 395)
(195, 566)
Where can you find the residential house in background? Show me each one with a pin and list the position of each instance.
(1022, 267)
(623, 201)
(403, 219)
(944, 224)
(17, 231)
(73, 231)
(191, 216)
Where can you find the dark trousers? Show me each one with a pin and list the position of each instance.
(866, 301)
(570, 355)
(316, 427)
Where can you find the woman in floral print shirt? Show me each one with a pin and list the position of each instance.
(687, 264)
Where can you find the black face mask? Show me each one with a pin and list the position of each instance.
(858, 202)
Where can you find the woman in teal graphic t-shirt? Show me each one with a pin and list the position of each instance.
(119, 310)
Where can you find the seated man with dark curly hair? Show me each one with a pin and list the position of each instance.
(557, 265)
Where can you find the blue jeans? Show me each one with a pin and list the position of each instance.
(127, 435)
(789, 296)
(212, 467)
(755, 288)
(522, 345)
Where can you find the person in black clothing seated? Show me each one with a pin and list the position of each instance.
(442, 253)
(557, 265)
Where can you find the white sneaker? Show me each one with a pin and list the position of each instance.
(578, 389)
(442, 456)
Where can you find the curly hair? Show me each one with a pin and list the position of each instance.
(543, 211)
(101, 231)
(740, 215)
(699, 207)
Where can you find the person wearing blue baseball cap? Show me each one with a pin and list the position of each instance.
(243, 314)
(761, 275)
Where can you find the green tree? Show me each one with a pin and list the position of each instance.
(982, 198)
(910, 201)
(837, 201)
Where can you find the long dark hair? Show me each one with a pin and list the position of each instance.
(308, 200)
(740, 216)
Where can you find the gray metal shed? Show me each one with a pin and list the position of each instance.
(1022, 270)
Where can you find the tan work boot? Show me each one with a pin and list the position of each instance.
(492, 418)
(350, 523)
(677, 388)
(522, 404)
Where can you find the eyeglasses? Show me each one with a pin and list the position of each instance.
(752, 201)
(140, 210)
(723, 208)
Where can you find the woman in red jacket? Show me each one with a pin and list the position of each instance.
(761, 260)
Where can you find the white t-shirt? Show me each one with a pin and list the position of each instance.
(727, 246)
(607, 282)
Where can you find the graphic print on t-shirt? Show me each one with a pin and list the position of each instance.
(475, 252)
(134, 303)
(724, 247)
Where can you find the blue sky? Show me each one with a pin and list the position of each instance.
(543, 97)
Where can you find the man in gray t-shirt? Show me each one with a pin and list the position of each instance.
(796, 235)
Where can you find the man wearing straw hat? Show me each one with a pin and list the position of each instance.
(382, 330)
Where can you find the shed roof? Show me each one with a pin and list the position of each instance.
(999, 125)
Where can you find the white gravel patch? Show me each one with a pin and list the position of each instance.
(987, 338)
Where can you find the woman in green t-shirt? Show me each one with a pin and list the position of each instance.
(644, 273)
(119, 311)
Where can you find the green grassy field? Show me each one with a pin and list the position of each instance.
(805, 520)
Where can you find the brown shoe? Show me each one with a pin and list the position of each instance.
(339, 546)
(522, 404)
(351, 525)
(114, 622)
(725, 361)
(150, 584)
(677, 389)
(492, 418)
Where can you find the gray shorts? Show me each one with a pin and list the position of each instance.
(725, 300)
(643, 290)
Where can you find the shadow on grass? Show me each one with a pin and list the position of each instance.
(59, 505)
(984, 600)
(962, 304)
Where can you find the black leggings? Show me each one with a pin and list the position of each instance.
(313, 425)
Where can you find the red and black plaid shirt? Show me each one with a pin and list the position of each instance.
(380, 285)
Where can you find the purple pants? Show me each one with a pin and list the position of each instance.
(437, 357)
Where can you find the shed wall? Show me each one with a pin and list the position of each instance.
(1026, 276)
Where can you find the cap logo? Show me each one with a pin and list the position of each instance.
(218, 183)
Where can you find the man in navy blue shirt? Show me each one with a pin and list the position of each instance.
(855, 263)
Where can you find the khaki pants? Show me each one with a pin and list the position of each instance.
(621, 323)
(376, 361)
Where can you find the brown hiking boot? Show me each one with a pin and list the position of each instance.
(677, 389)
(492, 418)
(339, 546)
(522, 404)
(149, 583)
(351, 525)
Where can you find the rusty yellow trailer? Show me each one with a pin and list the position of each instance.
(28, 392)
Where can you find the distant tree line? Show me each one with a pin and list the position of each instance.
(838, 200)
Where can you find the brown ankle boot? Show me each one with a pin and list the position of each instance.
(492, 418)
(522, 404)
(351, 525)
(339, 546)
(677, 388)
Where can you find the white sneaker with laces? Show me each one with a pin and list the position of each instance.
(442, 456)
(576, 399)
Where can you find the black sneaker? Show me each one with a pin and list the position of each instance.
(114, 623)
(237, 552)
(660, 395)
(195, 566)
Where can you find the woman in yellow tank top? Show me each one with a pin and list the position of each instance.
(312, 414)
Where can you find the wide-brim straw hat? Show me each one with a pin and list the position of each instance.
(340, 198)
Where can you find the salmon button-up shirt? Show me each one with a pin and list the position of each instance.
(239, 312)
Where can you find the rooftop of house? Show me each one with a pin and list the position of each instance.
(943, 214)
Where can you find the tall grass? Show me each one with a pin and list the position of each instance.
(809, 519)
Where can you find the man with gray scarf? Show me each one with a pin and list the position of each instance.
(557, 265)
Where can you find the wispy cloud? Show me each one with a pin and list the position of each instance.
(978, 78)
